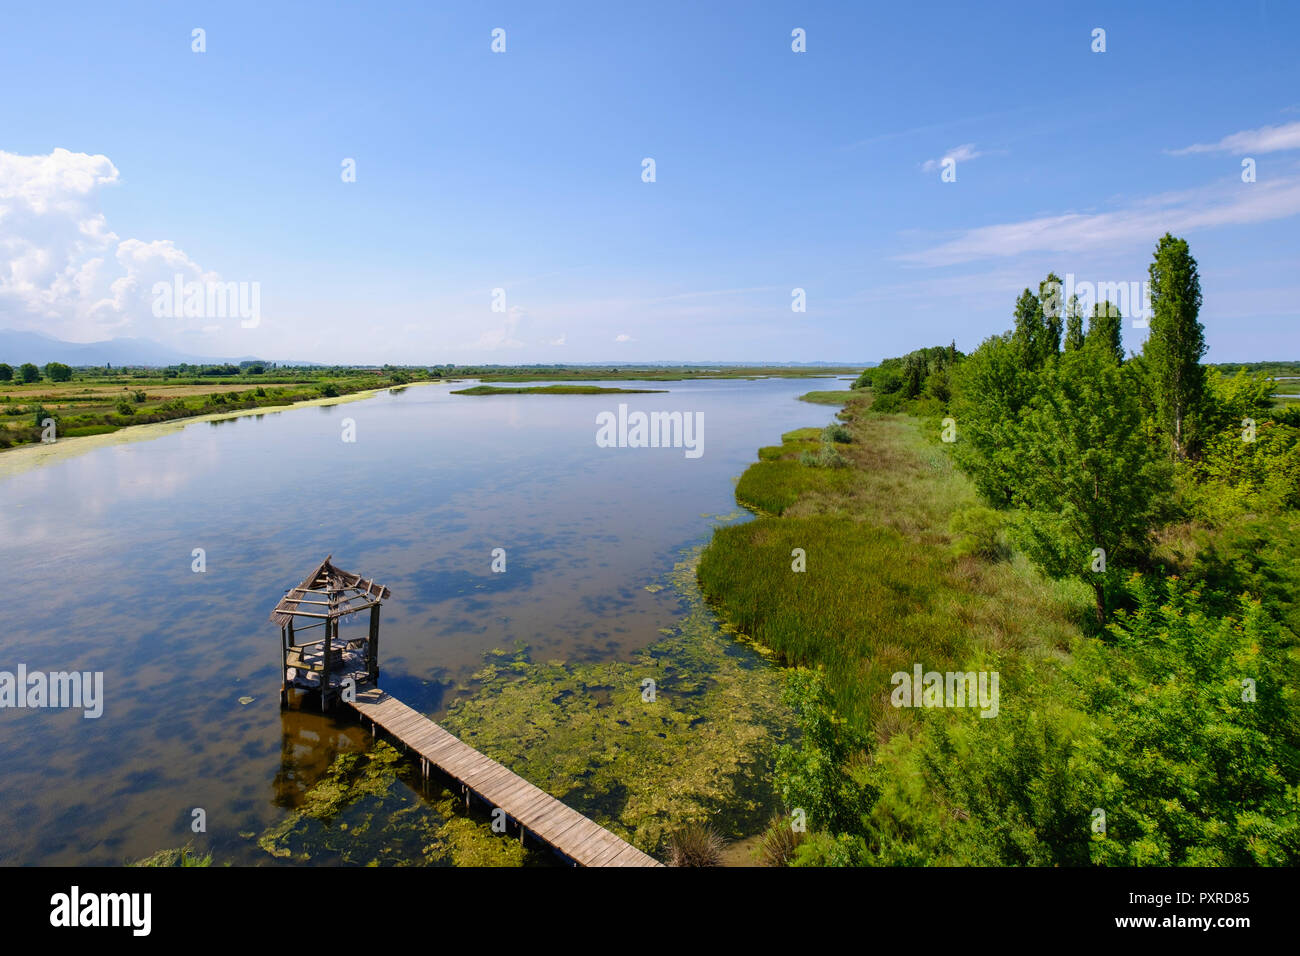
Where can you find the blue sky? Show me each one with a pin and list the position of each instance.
(128, 158)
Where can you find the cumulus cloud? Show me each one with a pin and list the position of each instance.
(1139, 224)
(622, 337)
(1266, 139)
(63, 270)
(958, 154)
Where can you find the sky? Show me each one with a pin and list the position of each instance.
(496, 207)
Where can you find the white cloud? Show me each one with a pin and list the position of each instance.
(559, 341)
(505, 337)
(958, 154)
(1266, 139)
(622, 337)
(1138, 225)
(63, 271)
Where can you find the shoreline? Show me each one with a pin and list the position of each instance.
(22, 458)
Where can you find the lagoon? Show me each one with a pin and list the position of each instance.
(101, 551)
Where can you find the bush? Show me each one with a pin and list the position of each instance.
(978, 531)
(836, 433)
(124, 409)
(827, 457)
(329, 390)
(43, 413)
(696, 845)
(779, 843)
(139, 397)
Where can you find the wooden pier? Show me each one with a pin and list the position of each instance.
(346, 670)
(564, 829)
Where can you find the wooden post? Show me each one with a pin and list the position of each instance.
(325, 673)
(284, 666)
(372, 648)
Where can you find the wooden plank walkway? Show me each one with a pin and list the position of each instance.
(568, 831)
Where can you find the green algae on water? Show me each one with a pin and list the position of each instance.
(367, 811)
(642, 759)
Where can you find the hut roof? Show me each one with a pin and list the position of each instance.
(328, 593)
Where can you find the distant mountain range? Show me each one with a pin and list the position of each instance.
(17, 347)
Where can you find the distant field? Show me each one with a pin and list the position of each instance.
(95, 403)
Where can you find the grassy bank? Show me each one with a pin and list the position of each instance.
(886, 582)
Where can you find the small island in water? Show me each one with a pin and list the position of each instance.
(551, 390)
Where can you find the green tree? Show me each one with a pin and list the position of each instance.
(1073, 325)
(1029, 331)
(1049, 298)
(27, 372)
(992, 388)
(1176, 341)
(58, 372)
(6, 372)
(1104, 330)
(1087, 476)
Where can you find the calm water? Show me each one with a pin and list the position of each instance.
(98, 550)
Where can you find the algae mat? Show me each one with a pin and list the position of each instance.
(685, 733)
(697, 745)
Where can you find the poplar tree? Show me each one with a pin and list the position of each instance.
(1049, 300)
(1176, 341)
(1104, 330)
(1073, 325)
(1028, 335)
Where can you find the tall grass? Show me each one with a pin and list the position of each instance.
(884, 587)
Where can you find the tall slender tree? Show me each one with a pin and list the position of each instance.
(1104, 330)
(1049, 300)
(1176, 341)
(1073, 325)
(1028, 335)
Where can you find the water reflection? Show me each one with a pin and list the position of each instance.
(100, 550)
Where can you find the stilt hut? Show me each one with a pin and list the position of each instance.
(324, 599)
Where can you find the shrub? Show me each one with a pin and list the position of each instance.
(978, 531)
(139, 397)
(836, 433)
(124, 408)
(696, 845)
(43, 413)
(779, 842)
(827, 457)
(330, 390)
